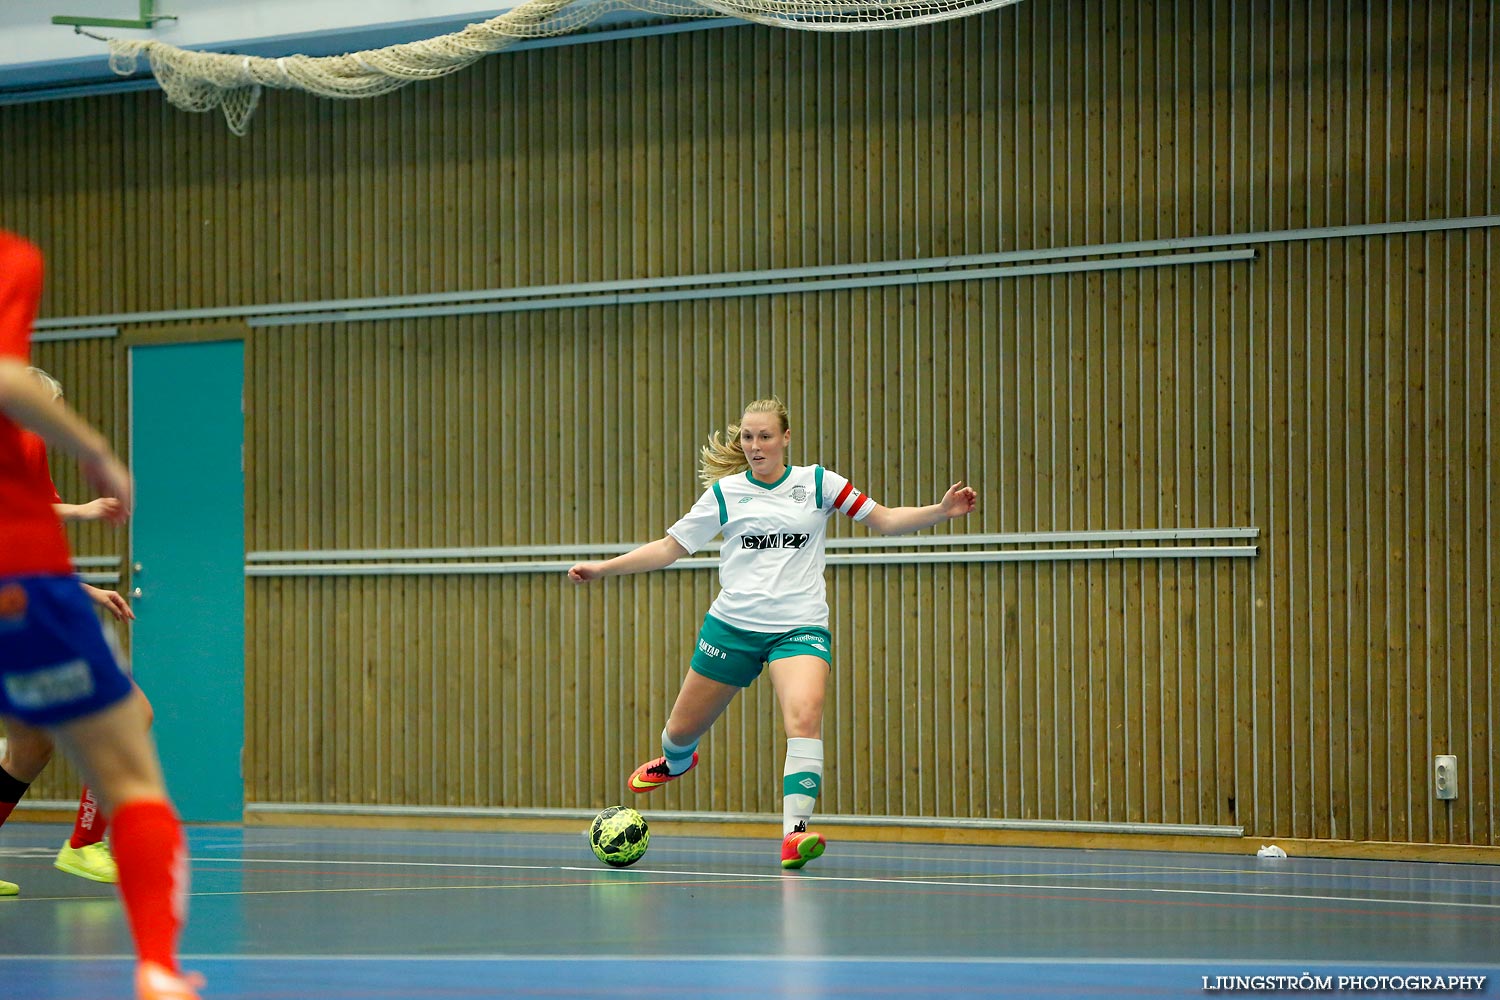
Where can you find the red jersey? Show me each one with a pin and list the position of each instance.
(31, 536)
(34, 453)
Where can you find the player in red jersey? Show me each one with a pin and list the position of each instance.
(28, 750)
(57, 672)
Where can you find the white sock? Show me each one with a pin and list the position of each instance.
(679, 758)
(801, 780)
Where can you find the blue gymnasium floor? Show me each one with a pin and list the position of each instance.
(296, 914)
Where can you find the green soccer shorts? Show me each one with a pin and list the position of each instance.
(736, 656)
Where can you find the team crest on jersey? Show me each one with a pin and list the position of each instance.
(12, 601)
(799, 494)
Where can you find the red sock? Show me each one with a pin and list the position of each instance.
(11, 791)
(88, 828)
(149, 849)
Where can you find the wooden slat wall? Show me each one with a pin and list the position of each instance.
(1339, 394)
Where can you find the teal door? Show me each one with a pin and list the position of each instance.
(187, 545)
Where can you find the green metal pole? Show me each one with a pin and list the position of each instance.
(147, 19)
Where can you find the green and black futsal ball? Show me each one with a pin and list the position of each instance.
(619, 836)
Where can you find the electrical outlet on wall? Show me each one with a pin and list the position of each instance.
(1445, 776)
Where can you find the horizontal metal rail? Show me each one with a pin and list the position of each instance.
(604, 292)
(585, 815)
(887, 541)
(736, 291)
(561, 292)
(91, 562)
(851, 559)
(582, 550)
(100, 579)
(93, 333)
(614, 548)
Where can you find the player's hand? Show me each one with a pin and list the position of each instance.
(102, 509)
(112, 480)
(112, 602)
(959, 500)
(584, 572)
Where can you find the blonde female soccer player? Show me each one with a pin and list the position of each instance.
(771, 611)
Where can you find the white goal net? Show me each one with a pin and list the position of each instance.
(202, 81)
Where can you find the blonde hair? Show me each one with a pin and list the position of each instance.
(48, 381)
(727, 457)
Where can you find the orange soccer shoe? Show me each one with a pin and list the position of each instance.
(801, 846)
(156, 982)
(654, 774)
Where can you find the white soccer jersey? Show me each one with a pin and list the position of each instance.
(771, 562)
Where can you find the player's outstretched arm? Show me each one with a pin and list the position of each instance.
(958, 501)
(98, 509)
(29, 404)
(653, 555)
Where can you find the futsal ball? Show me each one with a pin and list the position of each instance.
(619, 836)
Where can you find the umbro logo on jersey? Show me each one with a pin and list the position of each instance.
(746, 499)
(786, 540)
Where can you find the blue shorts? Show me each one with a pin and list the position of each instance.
(55, 663)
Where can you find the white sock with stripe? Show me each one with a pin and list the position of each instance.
(679, 758)
(801, 780)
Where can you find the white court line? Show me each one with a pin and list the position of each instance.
(858, 851)
(1117, 868)
(1048, 960)
(1249, 894)
(394, 864)
(1272, 870)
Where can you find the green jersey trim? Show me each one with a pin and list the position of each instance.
(818, 484)
(723, 510)
(765, 486)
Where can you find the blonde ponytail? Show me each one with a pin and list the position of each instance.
(726, 457)
(52, 384)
